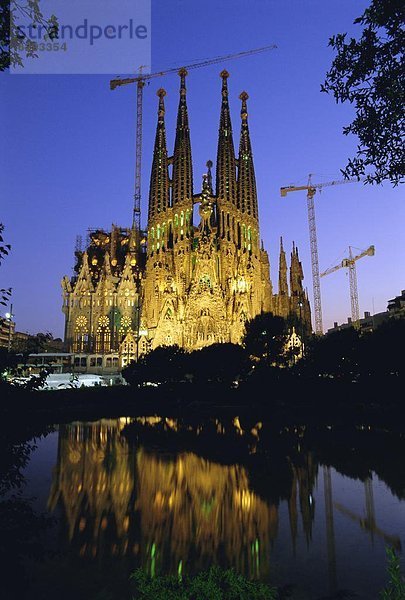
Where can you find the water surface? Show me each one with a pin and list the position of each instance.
(311, 509)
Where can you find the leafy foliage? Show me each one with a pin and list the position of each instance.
(380, 352)
(218, 362)
(349, 354)
(265, 338)
(21, 526)
(161, 365)
(14, 43)
(14, 363)
(222, 363)
(4, 250)
(369, 73)
(32, 344)
(395, 590)
(215, 583)
(336, 354)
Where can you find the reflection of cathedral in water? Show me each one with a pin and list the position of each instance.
(170, 512)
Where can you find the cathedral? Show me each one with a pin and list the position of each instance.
(182, 282)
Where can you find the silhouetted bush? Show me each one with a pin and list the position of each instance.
(216, 583)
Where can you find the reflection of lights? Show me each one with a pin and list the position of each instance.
(244, 499)
(237, 426)
(167, 494)
(149, 420)
(159, 499)
(255, 430)
(123, 421)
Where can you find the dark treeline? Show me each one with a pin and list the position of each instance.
(346, 355)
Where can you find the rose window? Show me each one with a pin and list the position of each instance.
(126, 321)
(103, 321)
(81, 322)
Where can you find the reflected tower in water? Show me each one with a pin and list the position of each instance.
(168, 512)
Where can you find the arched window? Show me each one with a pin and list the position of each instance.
(125, 326)
(81, 336)
(103, 335)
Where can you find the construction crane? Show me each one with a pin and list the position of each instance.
(311, 189)
(140, 81)
(369, 522)
(350, 263)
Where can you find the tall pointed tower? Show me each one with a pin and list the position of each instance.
(299, 304)
(283, 300)
(201, 281)
(226, 190)
(159, 191)
(247, 195)
(182, 190)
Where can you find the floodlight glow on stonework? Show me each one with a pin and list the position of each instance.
(193, 284)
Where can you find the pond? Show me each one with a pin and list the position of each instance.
(308, 509)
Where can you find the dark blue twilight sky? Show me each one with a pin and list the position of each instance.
(67, 145)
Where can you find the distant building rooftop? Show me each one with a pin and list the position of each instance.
(395, 309)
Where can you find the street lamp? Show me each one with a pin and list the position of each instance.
(9, 317)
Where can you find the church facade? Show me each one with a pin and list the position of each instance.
(181, 282)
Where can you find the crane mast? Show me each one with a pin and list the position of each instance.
(354, 293)
(313, 240)
(350, 264)
(311, 189)
(136, 221)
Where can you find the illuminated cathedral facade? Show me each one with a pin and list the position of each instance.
(182, 282)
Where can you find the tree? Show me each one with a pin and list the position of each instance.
(336, 355)
(33, 344)
(380, 351)
(161, 365)
(14, 43)
(265, 338)
(369, 74)
(221, 363)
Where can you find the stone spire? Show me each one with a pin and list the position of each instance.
(296, 274)
(283, 301)
(206, 205)
(282, 274)
(299, 304)
(226, 188)
(159, 191)
(247, 196)
(182, 165)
